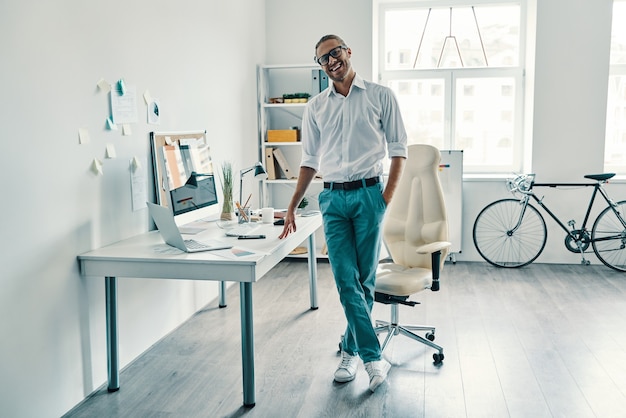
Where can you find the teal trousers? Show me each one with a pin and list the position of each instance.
(352, 225)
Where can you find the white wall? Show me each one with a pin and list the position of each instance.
(567, 78)
(294, 27)
(199, 59)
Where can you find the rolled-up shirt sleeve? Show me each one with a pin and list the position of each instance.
(310, 141)
(396, 149)
(395, 133)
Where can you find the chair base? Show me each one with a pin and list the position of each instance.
(393, 328)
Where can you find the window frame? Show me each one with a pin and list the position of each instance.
(614, 70)
(450, 76)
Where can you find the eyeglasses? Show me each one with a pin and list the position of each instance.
(335, 53)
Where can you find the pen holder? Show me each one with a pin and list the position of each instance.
(243, 215)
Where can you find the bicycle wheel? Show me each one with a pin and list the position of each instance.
(496, 241)
(608, 237)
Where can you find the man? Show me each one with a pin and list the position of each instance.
(346, 130)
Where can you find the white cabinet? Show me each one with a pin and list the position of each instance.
(451, 177)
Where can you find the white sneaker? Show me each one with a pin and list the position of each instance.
(377, 371)
(346, 371)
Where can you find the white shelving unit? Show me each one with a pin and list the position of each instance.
(272, 82)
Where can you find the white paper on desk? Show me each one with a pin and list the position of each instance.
(193, 228)
(190, 230)
(167, 249)
(138, 183)
(239, 253)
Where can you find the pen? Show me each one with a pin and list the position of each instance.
(251, 236)
(247, 201)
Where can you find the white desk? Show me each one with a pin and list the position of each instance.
(138, 257)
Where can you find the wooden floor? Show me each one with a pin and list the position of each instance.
(541, 341)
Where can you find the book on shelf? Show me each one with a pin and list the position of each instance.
(283, 164)
(270, 163)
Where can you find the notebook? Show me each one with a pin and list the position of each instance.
(164, 220)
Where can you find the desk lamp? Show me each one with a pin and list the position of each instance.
(259, 174)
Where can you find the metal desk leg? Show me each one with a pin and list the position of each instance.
(113, 369)
(222, 295)
(247, 343)
(312, 271)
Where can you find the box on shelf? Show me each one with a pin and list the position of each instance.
(283, 135)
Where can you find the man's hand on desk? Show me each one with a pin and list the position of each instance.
(290, 224)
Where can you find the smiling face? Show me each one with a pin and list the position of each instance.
(337, 68)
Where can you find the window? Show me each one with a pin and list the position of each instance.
(615, 141)
(457, 71)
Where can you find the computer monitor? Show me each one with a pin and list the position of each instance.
(199, 192)
(184, 178)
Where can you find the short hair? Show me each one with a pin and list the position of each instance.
(326, 38)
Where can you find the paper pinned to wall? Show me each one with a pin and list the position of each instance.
(104, 85)
(135, 164)
(147, 98)
(83, 136)
(110, 151)
(96, 167)
(124, 106)
(138, 182)
(154, 112)
(126, 130)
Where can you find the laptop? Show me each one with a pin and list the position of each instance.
(164, 220)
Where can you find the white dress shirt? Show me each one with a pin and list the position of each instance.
(345, 138)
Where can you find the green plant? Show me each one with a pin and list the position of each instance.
(226, 180)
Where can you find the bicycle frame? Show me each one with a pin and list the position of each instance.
(597, 187)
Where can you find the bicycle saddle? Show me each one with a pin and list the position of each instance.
(599, 177)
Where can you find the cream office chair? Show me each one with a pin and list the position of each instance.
(415, 232)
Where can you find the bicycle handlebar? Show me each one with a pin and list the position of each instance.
(522, 183)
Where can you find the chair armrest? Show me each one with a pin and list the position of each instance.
(433, 247)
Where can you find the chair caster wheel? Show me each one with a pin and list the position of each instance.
(438, 357)
(430, 336)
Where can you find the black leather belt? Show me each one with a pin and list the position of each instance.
(352, 185)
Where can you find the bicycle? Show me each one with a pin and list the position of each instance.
(512, 232)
